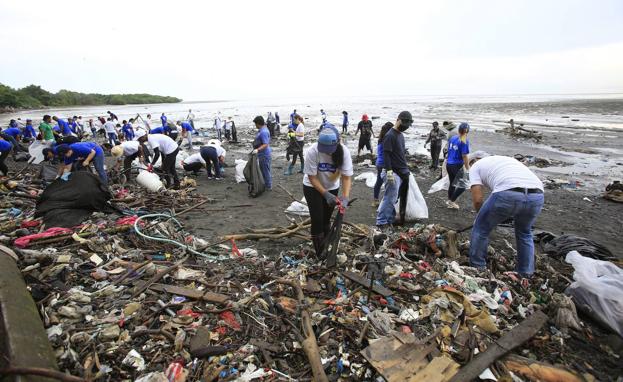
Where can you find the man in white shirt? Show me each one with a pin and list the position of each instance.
(191, 118)
(165, 146)
(111, 131)
(218, 125)
(128, 151)
(517, 193)
(193, 163)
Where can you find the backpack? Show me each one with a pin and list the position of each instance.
(253, 176)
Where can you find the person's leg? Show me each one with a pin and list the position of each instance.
(369, 146)
(458, 191)
(171, 167)
(127, 165)
(452, 169)
(386, 212)
(189, 137)
(403, 192)
(3, 167)
(166, 168)
(265, 168)
(98, 162)
(435, 150)
(217, 165)
(379, 182)
(527, 212)
(205, 154)
(495, 210)
(316, 214)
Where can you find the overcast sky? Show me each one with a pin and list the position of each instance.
(206, 50)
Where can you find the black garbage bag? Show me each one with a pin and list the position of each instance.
(48, 172)
(69, 203)
(253, 176)
(561, 245)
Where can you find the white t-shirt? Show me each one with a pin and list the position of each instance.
(227, 126)
(300, 129)
(191, 116)
(129, 147)
(110, 127)
(162, 142)
(220, 152)
(194, 159)
(321, 165)
(218, 124)
(147, 124)
(500, 173)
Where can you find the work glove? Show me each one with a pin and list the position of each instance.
(390, 177)
(344, 201)
(330, 198)
(254, 151)
(65, 176)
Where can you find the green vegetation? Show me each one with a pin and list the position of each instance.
(33, 96)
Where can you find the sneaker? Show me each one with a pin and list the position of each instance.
(452, 205)
(219, 178)
(210, 177)
(375, 203)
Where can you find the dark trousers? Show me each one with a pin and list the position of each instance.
(403, 191)
(211, 157)
(344, 128)
(379, 182)
(228, 134)
(453, 170)
(319, 211)
(127, 164)
(3, 166)
(234, 134)
(298, 153)
(435, 150)
(271, 128)
(194, 167)
(168, 167)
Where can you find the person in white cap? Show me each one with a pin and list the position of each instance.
(128, 151)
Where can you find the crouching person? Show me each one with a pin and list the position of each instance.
(128, 151)
(165, 146)
(82, 154)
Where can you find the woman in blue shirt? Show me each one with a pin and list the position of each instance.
(261, 147)
(84, 152)
(379, 162)
(458, 149)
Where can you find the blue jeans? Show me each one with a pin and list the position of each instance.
(264, 162)
(112, 138)
(524, 209)
(386, 212)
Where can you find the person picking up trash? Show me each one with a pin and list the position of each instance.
(327, 163)
(165, 146)
(129, 151)
(365, 127)
(396, 171)
(214, 156)
(517, 193)
(5, 149)
(297, 145)
(187, 132)
(261, 147)
(82, 154)
(457, 164)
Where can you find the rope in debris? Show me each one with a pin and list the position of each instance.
(171, 241)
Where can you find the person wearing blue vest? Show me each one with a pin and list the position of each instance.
(380, 178)
(29, 132)
(163, 119)
(63, 126)
(5, 149)
(187, 132)
(345, 122)
(261, 147)
(457, 162)
(128, 131)
(82, 154)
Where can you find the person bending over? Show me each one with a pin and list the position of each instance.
(456, 163)
(82, 154)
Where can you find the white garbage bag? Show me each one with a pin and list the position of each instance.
(36, 150)
(598, 288)
(298, 208)
(369, 177)
(181, 155)
(240, 165)
(441, 184)
(416, 205)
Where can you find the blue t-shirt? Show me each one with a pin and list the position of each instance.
(263, 137)
(81, 150)
(128, 131)
(29, 131)
(186, 126)
(157, 130)
(456, 150)
(73, 127)
(345, 120)
(379, 155)
(5, 146)
(56, 128)
(163, 118)
(12, 131)
(64, 127)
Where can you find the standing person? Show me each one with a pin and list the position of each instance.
(292, 116)
(365, 127)
(344, 122)
(5, 150)
(91, 124)
(270, 123)
(82, 154)
(261, 147)
(234, 132)
(113, 116)
(111, 131)
(227, 125)
(517, 193)
(165, 146)
(129, 151)
(128, 131)
(458, 148)
(396, 171)
(163, 119)
(147, 122)
(327, 163)
(299, 143)
(191, 118)
(218, 126)
(187, 132)
(380, 163)
(29, 131)
(277, 118)
(435, 137)
(80, 127)
(323, 115)
(47, 133)
(213, 155)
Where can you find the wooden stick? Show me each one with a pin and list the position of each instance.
(538, 371)
(290, 194)
(158, 276)
(256, 236)
(310, 346)
(48, 373)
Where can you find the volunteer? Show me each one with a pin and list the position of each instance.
(365, 127)
(29, 131)
(129, 151)
(323, 115)
(344, 122)
(191, 118)
(396, 172)
(111, 131)
(261, 147)
(13, 135)
(292, 115)
(82, 154)
(165, 146)
(435, 137)
(457, 163)
(63, 126)
(214, 156)
(327, 163)
(299, 141)
(194, 163)
(517, 193)
(163, 119)
(380, 163)
(5, 149)
(47, 133)
(128, 130)
(187, 132)
(218, 126)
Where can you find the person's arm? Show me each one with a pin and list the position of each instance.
(430, 136)
(477, 196)
(156, 156)
(89, 158)
(347, 182)
(466, 161)
(313, 179)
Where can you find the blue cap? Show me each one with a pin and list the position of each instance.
(328, 139)
(464, 126)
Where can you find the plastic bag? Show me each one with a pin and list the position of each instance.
(441, 184)
(598, 289)
(416, 205)
(369, 177)
(240, 165)
(253, 176)
(462, 179)
(298, 208)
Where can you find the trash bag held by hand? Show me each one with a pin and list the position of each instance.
(416, 205)
(254, 177)
(462, 179)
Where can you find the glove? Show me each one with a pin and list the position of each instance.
(330, 198)
(344, 201)
(390, 177)
(65, 176)
(254, 151)
(150, 167)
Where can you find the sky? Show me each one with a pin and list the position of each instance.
(217, 50)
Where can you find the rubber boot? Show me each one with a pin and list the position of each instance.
(289, 170)
(301, 170)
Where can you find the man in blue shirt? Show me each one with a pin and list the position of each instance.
(128, 131)
(63, 126)
(157, 130)
(345, 123)
(12, 135)
(73, 126)
(29, 132)
(457, 163)
(187, 132)
(163, 119)
(5, 149)
(261, 147)
(82, 153)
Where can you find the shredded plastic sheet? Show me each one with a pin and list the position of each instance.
(298, 208)
(23, 241)
(369, 177)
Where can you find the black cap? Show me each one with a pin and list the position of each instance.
(405, 116)
(259, 120)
